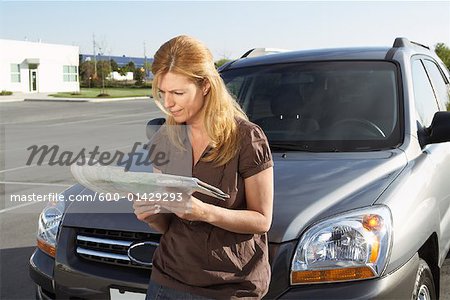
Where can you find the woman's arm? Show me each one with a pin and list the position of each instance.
(256, 219)
(158, 221)
(150, 213)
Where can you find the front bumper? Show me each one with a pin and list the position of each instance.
(397, 285)
(84, 279)
(41, 272)
(82, 285)
(70, 276)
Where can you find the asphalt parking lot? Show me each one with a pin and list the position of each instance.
(106, 124)
(27, 123)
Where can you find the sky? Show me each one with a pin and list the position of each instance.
(229, 29)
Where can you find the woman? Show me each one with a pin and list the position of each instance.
(209, 248)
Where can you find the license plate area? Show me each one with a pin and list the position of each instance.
(115, 294)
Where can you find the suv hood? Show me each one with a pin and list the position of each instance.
(108, 215)
(313, 186)
(308, 187)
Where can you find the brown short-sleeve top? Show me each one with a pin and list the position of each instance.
(206, 260)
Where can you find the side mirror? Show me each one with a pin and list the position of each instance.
(153, 126)
(439, 130)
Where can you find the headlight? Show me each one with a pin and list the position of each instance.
(49, 221)
(350, 246)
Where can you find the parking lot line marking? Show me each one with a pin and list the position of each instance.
(18, 168)
(18, 206)
(80, 121)
(131, 121)
(26, 204)
(35, 183)
(87, 115)
(44, 163)
(98, 119)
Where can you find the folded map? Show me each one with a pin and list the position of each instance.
(113, 179)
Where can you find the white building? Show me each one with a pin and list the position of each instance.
(116, 76)
(30, 67)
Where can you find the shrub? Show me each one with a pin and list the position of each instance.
(103, 95)
(6, 93)
(221, 62)
(118, 84)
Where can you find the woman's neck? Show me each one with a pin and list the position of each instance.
(197, 129)
(197, 132)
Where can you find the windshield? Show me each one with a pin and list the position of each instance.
(321, 106)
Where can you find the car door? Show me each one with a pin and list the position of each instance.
(431, 92)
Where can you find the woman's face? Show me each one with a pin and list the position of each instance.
(182, 97)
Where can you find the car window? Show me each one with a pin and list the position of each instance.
(322, 106)
(440, 84)
(235, 86)
(424, 99)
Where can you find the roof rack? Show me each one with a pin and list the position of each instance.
(262, 51)
(404, 42)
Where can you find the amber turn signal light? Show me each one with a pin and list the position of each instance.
(50, 250)
(321, 276)
(372, 222)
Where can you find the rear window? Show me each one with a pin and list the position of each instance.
(322, 106)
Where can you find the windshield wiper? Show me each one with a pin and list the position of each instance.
(290, 146)
(304, 147)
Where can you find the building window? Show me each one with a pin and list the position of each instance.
(70, 73)
(15, 73)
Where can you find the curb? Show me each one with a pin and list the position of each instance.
(118, 99)
(94, 100)
(54, 100)
(11, 100)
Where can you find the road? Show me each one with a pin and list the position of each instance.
(111, 125)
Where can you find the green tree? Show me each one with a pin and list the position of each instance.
(147, 68)
(114, 65)
(103, 69)
(122, 71)
(103, 73)
(443, 52)
(139, 75)
(87, 71)
(221, 62)
(129, 67)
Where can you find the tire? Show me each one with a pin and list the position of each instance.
(424, 288)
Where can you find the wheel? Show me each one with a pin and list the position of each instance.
(424, 288)
(369, 126)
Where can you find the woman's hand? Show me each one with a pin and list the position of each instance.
(145, 210)
(151, 213)
(186, 207)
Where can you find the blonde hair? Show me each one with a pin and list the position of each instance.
(187, 56)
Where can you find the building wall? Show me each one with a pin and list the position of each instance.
(116, 76)
(50, 70)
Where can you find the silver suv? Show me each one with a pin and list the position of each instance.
(360, 140)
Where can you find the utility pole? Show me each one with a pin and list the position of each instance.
(95, 56)
(145, 62)
(103, 71)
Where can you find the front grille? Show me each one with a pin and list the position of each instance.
(110, 246)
